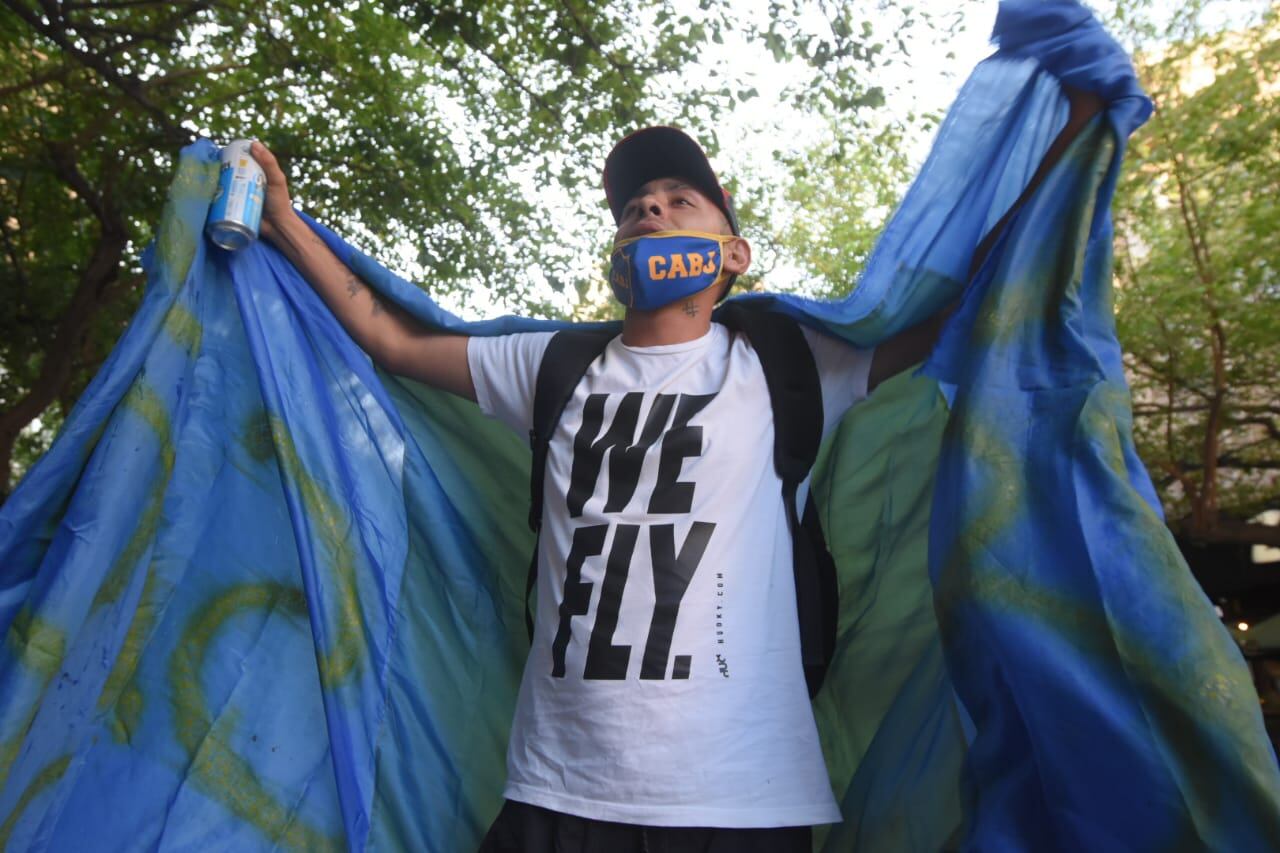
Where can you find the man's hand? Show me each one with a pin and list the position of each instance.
(393, 339)
(277, 208)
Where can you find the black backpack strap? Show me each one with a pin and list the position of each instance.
(564, 363)
(795, 392)
(795, 395)
(824, 613)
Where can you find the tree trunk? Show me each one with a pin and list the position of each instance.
(59, 357)
(1204, 506)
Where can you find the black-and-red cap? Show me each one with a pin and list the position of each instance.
(661, 152)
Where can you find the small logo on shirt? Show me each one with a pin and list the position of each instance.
(720, 659)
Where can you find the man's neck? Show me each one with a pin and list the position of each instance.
(685, 320)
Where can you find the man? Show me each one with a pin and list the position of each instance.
(632, 732)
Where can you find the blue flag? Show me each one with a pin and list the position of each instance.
(260, 594)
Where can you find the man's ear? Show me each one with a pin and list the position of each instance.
(737, 256)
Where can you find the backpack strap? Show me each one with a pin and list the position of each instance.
(795, 395)
(795, 392)
(565, 361)
(820, 605)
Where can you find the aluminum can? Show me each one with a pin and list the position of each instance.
(237, 207)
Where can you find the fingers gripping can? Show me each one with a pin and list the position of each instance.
(237, 206)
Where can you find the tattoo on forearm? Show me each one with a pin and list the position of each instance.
(355, 285)
(691, 308)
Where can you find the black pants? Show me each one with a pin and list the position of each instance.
(522, 828)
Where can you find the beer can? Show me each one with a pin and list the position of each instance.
(237, 207)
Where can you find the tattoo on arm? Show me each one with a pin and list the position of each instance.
(355, 285)
(691, 308)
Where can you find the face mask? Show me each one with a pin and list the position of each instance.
(654, 270)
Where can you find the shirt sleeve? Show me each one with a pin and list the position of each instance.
(504, 370)
(843, 371)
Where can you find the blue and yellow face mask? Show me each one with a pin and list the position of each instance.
(653, 270)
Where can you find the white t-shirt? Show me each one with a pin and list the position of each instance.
(664, 685)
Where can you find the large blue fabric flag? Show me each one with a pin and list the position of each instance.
(261, 595)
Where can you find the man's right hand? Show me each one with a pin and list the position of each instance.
(277, 207)
(392, 338)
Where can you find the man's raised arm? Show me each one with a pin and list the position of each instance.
(393, 339)
(913, 345)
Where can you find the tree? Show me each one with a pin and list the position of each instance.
(839, 196)
(846, 158)
(1198, 280)
(404, 124)
(1197, 256)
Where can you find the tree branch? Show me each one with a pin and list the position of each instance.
(66, 168)
(1236, 464)
(1153, 411)
(1155, 372)
(1227, 532)
(133, 37)
(9, 249)
(510, 75)
(162, 80)
(50, 76)
(1175, 471)
(71, 6)
(130, 86)
(625, 71)
(59, 355)
(1273, 431)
